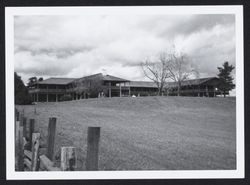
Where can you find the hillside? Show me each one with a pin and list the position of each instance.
(146, 133)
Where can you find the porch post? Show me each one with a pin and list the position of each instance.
(110, 89)
(47, 96)
(120, 90)
(36, 97)
(56, 97)
(129, 89)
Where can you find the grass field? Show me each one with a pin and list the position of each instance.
(146, 133)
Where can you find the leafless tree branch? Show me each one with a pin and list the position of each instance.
(174, 66)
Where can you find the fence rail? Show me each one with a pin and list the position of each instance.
(29, 157)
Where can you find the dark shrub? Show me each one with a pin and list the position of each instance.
(22, 96)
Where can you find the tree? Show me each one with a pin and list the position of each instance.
(90, 86)
(180, 69)
(170, 65)
(226, 79)
(22, 96)
(32, 80)
(157, 71)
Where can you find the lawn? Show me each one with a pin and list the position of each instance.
(146, 133)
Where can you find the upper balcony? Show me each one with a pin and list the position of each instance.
(71, 90)
(113, 87)
(36, 90)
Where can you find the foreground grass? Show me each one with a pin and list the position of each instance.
(146, 133)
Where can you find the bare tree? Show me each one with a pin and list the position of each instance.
(172, 65)
(158, 71)
(180, 69)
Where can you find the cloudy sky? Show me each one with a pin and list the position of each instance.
(75, 46)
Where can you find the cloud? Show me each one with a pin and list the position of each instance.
(75, 46)
(187, 25)
(38, 64)
(211, 48)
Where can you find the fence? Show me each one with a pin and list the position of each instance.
(28, 145)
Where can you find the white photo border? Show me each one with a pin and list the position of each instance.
(11, 174)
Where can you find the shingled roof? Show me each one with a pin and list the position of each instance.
(65, 81)
(198, 81)
(100, 76)
(113, 78)
(172, 84)
(57, 81)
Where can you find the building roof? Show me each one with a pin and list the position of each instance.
(172, 84)
(113, 78)
(198, 81)
(100, 76)
(57, 81)
(142, 84)
(65, 81)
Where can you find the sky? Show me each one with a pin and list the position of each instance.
(75, 46)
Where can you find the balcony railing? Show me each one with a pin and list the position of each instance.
(38, 90)
(197, 91)
(47, 90)
(115, 87)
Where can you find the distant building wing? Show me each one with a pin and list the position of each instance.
(199, 81)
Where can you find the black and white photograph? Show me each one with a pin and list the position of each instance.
(124, 92)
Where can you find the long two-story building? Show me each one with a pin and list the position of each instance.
(99, 85)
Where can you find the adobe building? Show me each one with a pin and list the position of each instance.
(99, 85)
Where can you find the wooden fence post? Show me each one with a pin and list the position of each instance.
(31, 130)
(24, 127)
(51, 138)
(21, 119)
(68, 158)
(21, 150)
(92, 148)
(17, 125)
(17, 114)
(35, 151)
